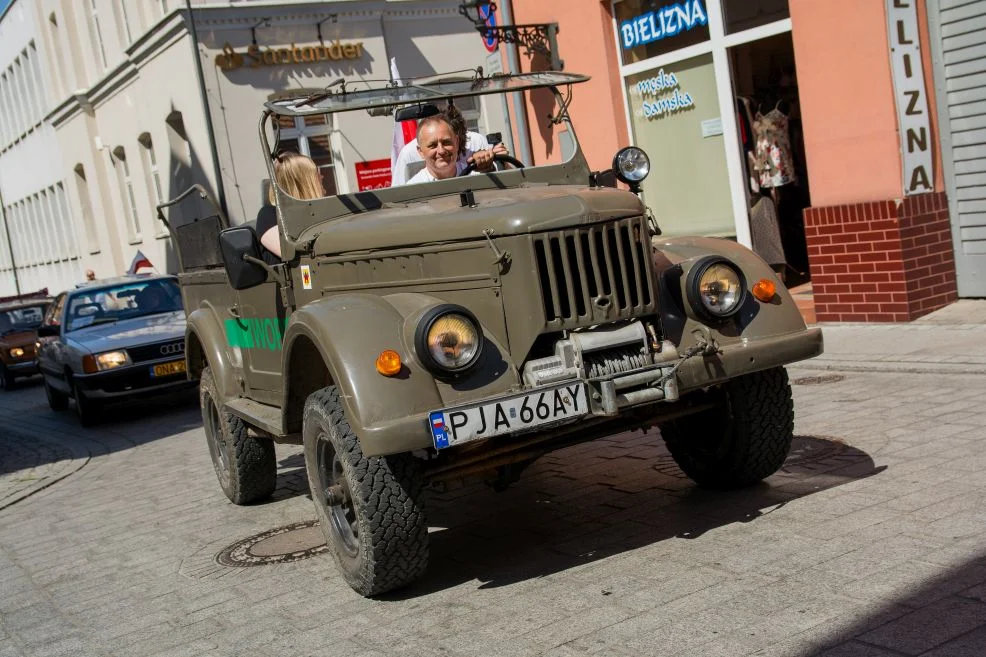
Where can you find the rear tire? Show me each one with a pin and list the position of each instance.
(245, 465)
(375, 524)
(741, 441)
(57, 400)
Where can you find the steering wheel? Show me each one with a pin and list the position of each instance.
(497, 157)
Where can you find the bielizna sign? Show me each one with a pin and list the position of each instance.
(663, 23)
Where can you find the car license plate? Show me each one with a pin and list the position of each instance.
(167, 369)
(454, 426)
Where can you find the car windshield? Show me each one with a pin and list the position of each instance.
(124, 301)
(21, 319)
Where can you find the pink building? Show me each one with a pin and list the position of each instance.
(844, 140)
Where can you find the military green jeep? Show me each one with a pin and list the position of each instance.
(462, 328)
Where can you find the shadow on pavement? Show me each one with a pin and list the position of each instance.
(598, 499)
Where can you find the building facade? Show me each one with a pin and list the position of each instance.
(144, 98)
(843, 140)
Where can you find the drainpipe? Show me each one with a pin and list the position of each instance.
(520, 109)
(220, 190)
(10, 246)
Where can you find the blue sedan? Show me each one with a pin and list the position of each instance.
(112, 339)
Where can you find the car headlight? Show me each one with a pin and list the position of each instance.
(448, 339)
(716, 287)
(16, 352)
(631, 165)
(107, 360)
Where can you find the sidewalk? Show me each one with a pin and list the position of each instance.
(948, 341)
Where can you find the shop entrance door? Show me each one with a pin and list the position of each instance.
(959, 53)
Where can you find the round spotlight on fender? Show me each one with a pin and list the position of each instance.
(448, 340)
(716, 287)
(631, 165)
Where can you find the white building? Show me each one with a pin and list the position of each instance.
(141, 103)
(39, 245)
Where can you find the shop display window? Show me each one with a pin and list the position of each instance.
(675, 118)
(742, 15)
(647, 28)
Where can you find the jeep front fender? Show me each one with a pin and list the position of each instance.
(349, 332)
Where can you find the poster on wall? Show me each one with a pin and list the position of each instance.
(910, 96)
(373, 174)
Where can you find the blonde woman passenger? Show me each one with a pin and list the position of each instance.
(297, 175)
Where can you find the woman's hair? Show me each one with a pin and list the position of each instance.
(297, 175)
(458, 125)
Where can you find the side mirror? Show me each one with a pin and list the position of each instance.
(48, 330)
(234, 243)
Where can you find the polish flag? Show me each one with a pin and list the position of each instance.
(140, 261)
(404, 131)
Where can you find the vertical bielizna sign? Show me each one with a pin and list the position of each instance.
(913, 121)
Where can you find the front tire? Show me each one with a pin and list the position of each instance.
(87, 409)
(245, 465)
(369, 509)
(745, 438)
(7, 379)
(57, 400)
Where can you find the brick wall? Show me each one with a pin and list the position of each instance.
(886, 261)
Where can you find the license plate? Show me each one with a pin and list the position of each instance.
(167, 369)
(454, 426)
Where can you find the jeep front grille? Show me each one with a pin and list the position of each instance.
(595, 273)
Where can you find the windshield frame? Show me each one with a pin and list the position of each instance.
(296, 216)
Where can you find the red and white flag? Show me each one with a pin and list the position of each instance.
(404, 131)
(139, 262)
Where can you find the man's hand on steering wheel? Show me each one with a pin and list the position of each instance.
(489, 157)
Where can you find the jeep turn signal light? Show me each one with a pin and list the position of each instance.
(389, 362)
(764, 290)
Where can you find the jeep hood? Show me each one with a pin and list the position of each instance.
(512, 211)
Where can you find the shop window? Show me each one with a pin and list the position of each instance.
(675, 118)
(125, 183)
(152, 178)
(85, 205)
(742, 15)
(647, 28)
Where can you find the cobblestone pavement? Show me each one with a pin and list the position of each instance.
(869, 542)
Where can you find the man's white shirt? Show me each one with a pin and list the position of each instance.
(474, 142)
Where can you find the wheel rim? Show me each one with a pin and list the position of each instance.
(217, 445)
(341, 515)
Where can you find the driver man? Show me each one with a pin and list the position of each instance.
(438, 146)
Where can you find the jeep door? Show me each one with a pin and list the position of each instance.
(261, 318)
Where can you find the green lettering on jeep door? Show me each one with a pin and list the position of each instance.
(255, 333)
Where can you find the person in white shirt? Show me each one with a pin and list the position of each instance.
(469, 143)
(438, 146)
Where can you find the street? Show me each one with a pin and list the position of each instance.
(869, 542)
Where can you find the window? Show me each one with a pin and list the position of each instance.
(63, 74)
(310, 135)
(39, 88)
(152, 178)
(97, 35)
(124, 24)
(126, 192)
(85, 203)
(164, 8)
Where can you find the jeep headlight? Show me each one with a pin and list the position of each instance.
(448, 340)
(716, 287)
(107, 360)
(631, 165)
(16, 352)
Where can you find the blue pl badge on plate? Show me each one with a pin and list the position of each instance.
(438, 430)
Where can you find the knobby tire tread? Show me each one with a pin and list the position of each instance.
(387, 493)
(252, 460)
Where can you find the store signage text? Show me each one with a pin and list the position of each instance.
(663, 23)
(913, 121)
(255, 56)
(373, 174)
(673, 102)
